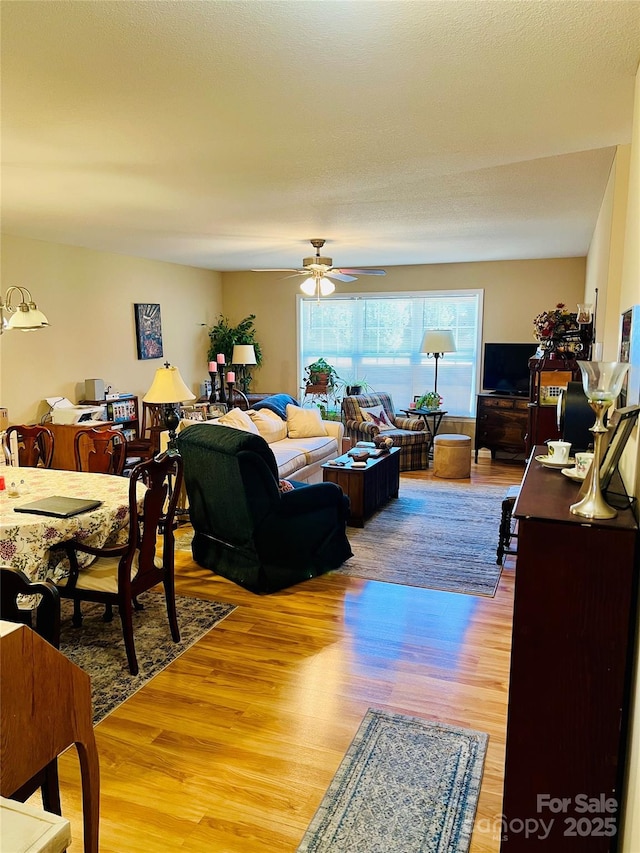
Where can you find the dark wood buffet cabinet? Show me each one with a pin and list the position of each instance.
(576, 587)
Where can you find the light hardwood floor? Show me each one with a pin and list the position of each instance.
(231, 748)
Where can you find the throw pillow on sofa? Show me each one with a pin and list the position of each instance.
(270, 426)
(377, 415)
(276, 403)
(304, 423)
(238, 419)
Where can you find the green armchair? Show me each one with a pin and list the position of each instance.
(245, 528)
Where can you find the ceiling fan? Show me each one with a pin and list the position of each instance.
(320, 271)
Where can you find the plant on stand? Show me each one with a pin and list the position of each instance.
(321, 374)
(321, 384)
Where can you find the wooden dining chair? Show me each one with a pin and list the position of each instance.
(120, 573)
(13, 585)
(35, 445)
(148, 443)
(101, 450)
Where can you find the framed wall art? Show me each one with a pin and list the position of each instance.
(630, 354)
(622, 422)
(148, 329)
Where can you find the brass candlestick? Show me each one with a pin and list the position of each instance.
(592, 503)
(602, 382)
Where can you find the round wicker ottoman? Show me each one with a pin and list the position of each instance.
(452, 456)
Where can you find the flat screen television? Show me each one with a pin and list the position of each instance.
(505, 368)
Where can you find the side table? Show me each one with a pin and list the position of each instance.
(435, 414)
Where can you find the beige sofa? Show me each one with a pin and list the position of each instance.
(301, 444)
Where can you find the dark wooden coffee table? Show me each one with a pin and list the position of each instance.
(367, 488)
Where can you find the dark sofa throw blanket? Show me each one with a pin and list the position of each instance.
(276, 403)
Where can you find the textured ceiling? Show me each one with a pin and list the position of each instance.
(227, 134)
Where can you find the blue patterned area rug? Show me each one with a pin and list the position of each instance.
(406, 785)
(437, 534)
(98, 647)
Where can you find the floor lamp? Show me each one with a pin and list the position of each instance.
(243, 354)
(436, 342)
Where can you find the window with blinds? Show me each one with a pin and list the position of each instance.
(377, 337)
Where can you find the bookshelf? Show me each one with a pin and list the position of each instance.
(123, 411)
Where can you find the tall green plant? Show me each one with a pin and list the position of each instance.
(223, 337)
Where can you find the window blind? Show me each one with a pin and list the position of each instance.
(377, 337)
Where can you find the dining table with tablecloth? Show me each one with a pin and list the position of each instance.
(26, 539)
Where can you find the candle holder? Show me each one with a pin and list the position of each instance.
(212, 395)
(602, 382)
(222, 398)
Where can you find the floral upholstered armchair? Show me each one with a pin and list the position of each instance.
(367, 415)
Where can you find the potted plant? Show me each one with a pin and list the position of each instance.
(353, 385)
(430, 400)
(321, 373)
(223, 337)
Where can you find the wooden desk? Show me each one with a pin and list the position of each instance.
(46, 707)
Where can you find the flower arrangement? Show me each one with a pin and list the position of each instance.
(430, 400)
(552, 325)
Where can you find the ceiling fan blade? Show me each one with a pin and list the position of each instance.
(276, 269)
(340, 275)
(362, 272)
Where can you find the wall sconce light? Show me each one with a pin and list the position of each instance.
(24, 316)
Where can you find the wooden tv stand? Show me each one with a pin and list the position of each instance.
(501, 423)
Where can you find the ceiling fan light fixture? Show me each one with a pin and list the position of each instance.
(326, 287)
(308, 286)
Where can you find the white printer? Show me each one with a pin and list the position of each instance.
(64, 412)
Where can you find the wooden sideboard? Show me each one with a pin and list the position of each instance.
(571, 658)
(501, 423)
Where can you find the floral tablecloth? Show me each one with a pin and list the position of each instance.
(26, 539)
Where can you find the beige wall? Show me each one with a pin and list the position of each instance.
(630, 295)
(606, 252)
(514, 293)
(88, 298)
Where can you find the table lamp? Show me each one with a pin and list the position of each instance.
(168, 389)
(436, 342)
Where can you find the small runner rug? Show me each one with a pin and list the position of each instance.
(98, 647)
(406, 785)
(436, 534)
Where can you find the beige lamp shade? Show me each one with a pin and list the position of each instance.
(243, 354)
(438, 340)
(168, 387)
